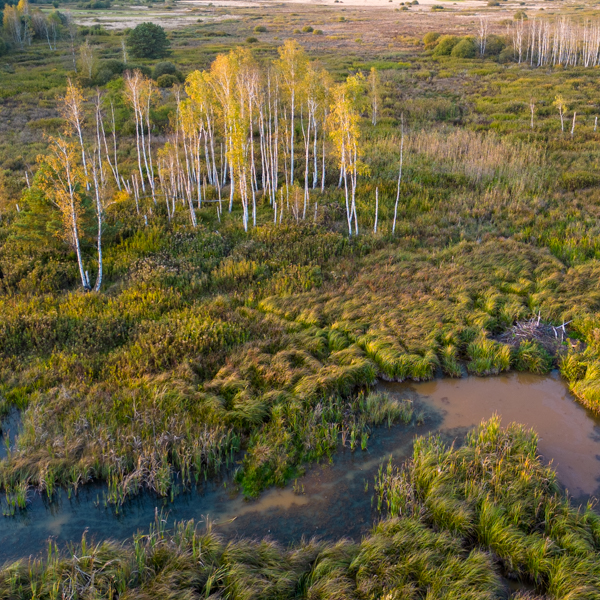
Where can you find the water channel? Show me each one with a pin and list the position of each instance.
(333, 500)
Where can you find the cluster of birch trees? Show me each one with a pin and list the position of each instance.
(241, 131)
(563, 42)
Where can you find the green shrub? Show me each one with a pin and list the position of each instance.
(445, 45)
(520, 14)
(167, 81)
(260, 29)
(109, 69)
(318, 32)
(494, 45)
(430, 38)
(251, 40)
(307, 29)
(466, 48)
(437, 7)
(166, 68)
(507, 55)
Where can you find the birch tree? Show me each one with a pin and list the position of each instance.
(62, 179)
(71, 108)
(482, 35)
(140, 92)
(292, 65)
(87, 59)
(561, 105)
(374, 92)
(344, 130)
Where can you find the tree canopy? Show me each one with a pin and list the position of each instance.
(148, 40)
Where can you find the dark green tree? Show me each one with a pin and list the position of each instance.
(148, 40)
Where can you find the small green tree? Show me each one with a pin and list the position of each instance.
(445, 45)
(466, 48)
(148, 40)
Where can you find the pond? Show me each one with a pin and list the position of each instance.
(333, 500)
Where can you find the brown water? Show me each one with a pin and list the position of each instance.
(333, 500)
(569, 435)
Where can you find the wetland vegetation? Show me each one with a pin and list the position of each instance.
(214, 240)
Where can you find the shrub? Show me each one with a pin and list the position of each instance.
(3, 47)
(167, 68)
(307, 29)
(260, 29)
(493, 3)
(318, 32)
(148, 40)
(578, 180)
(164, 68)
(430, 38)
(167, 80)
(143, 69)
(494, 45)
(520, 14)
(251, 40)
(108, 69)
(465, 48)
(445, 45)
(437, 7)
(507, 55)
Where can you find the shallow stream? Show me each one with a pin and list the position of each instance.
(334, 500)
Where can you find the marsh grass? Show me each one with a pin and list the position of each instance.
(455, 521)
(494, 492)
(158, 385)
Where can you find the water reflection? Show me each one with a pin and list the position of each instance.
(569, 435)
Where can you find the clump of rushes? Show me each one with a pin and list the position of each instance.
(301, 433)
(587, 386)
(488, 357)
(450, 364)
(496, 494)
(530, 356)
(16, 498)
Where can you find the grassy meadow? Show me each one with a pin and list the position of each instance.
(210, 347)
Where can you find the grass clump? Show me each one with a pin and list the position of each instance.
(492, 493)
(488, 357)
(530, 356)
